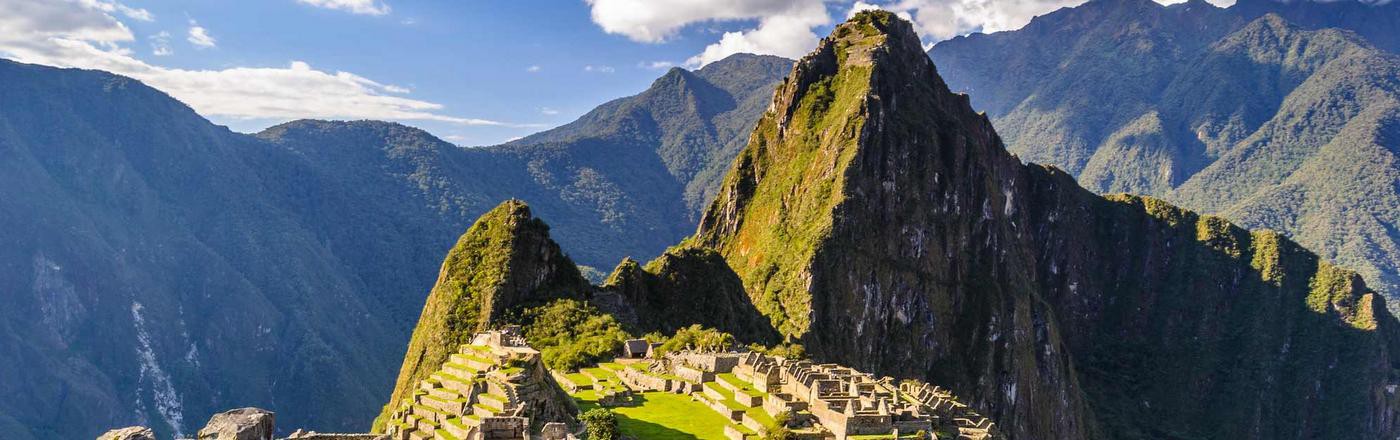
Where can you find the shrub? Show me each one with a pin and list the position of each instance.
(601, 424)
(697, 338)
(778, 430)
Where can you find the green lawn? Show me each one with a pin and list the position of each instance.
(665, 416)
(579, 379)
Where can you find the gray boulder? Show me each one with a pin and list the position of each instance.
(129, 433)
(240, 424)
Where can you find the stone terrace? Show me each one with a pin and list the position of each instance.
(822, 401)
(473, 396)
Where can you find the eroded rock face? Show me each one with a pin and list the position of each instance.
(129, 433)
(879, 219)
(240, 424)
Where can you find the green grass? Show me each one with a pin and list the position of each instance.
(477, 358)
(578, 378)
(665, 416)
(745, 386)
(478, 349)
(601, 374)
(728, 398)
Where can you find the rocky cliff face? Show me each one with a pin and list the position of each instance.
(1287, 121)
(504, 261)
(875, 216)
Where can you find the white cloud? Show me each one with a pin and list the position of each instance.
(598, 69)
(366, 7)
(111, 6)
(199, 36)
(533, 69)
(160, 44)
(937, 20)
(74, 33)
(548, 111)
(784, 26)
(656, 65)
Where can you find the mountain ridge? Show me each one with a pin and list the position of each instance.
(1269, 123)
(878, 219)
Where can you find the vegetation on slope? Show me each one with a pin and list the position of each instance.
(687, 285)
(1238, 112)
(795, 156)
(915, 245)
(571, 334)
(505, 261)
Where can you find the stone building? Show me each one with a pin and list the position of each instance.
(821, 401)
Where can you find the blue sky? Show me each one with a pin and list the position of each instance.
(474, 72)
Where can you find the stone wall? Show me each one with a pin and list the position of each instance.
(504, 428)
(312, 435)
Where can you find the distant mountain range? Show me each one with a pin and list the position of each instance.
(1240, 111)
(159, 267)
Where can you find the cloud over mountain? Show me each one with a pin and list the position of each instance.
(88, 34)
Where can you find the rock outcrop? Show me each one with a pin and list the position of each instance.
(506, 260)
(129, 433)
(240, 424)
(684, 286)
(877, 218)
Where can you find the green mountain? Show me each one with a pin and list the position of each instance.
(504, 261)
(695, 122)
(878, 219)
(162, 268)
(1375, 20)
(154, 274)
(1255, 119)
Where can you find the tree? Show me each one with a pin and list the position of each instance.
(570, 334)
(601, 424)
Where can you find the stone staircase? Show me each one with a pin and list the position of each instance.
(453, 402)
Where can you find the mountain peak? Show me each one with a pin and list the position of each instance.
(877, 219)
(506, 260)
(867, 92)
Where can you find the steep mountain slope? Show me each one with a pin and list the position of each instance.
(504, 261)
(1375, 20)
(1261, 121)
(177, 268)
(683, 286)
(149, 275)
(694, 121)
(876, 217)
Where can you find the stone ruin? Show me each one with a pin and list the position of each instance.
(822, 401)
(488, 390)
